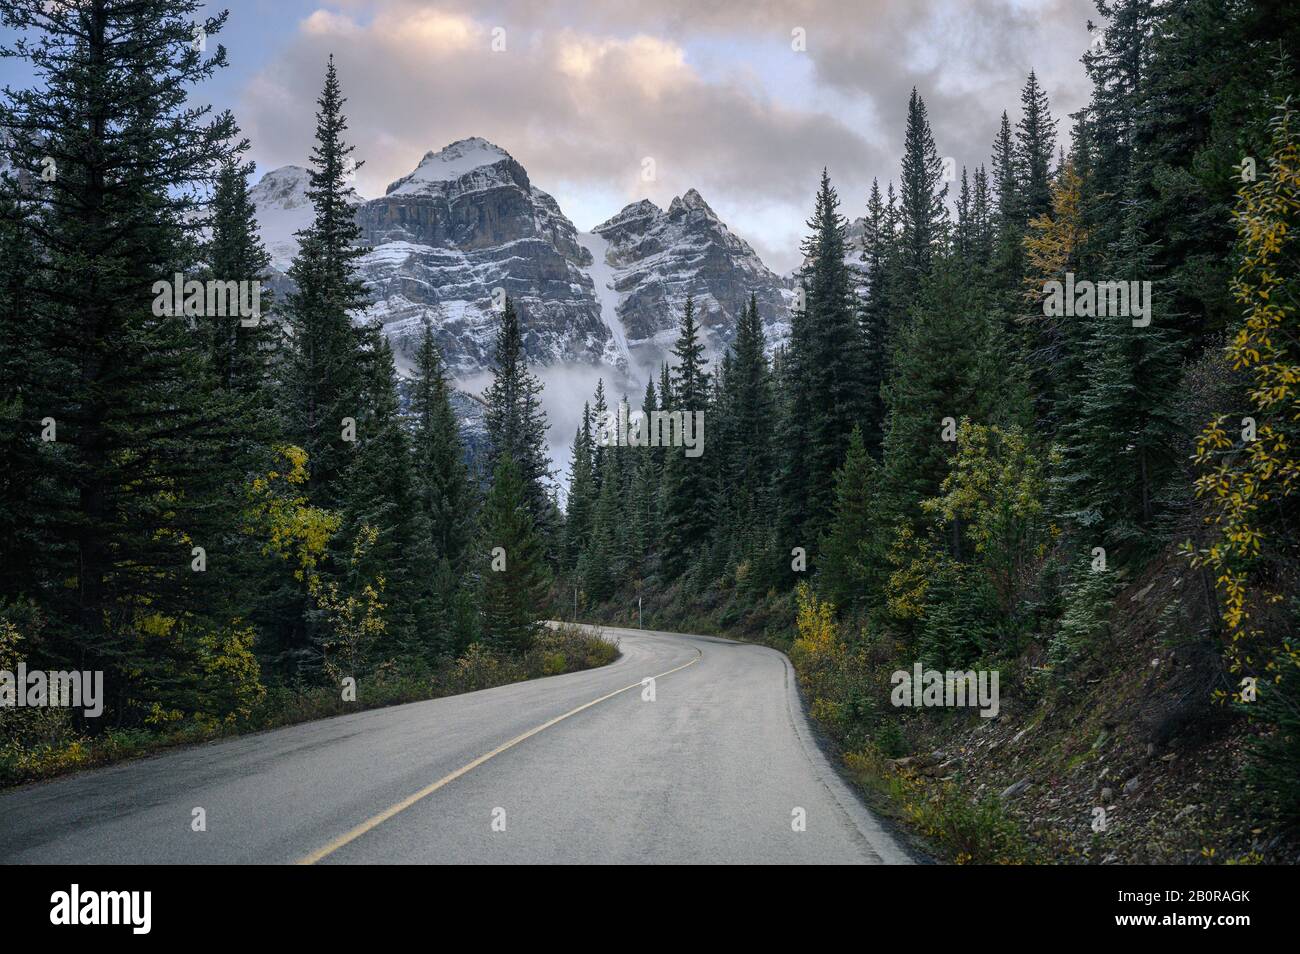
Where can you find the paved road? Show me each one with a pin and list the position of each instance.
(578, 771)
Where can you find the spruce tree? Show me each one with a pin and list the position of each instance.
(514, 575)
(582, 493)
(244, 348)
(379, 493)
(686, 513)
(442, 480)
(829, 357)
(849, 569)
(1034, 145)
(1009, 217)
(950, 364)
(601, 429)
(516, 423)
(750, 407)
(923, 212)
(135, 470)
(324, 372)
(446, 503)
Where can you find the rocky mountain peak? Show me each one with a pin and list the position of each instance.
(690, 201)
(436, 170)
(284, 209)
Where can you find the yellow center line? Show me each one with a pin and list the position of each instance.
(377, 820)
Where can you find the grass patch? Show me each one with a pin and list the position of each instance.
(960, 830)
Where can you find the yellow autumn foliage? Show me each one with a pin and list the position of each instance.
(1244, 480)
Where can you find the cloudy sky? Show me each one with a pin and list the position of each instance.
(715, 92)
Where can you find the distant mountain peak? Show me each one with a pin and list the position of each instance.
(633, 211)
(284, 209)
(450, 163)
(690, 201)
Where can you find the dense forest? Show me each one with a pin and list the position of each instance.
(1061, 372)
(1032, 384)
(237, 515)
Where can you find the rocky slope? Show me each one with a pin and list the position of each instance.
(467, 222)
(467, 225)
(653, 259)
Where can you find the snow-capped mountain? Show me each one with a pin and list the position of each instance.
(652, 260)
(467, 221)
(283, 209)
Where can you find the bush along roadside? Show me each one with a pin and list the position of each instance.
(43, 742)
(1121, 756)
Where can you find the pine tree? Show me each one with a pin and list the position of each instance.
(442, 478)
(1034, 146)
(983, 226)
(603, 563)
(923, 212)
(1055, 345)
(137, 473)
(514, 573)
(379, 494)
(242, 349)
(829, 358)
(516, 423)
(601, 427)
(1119, 442)
(24, 368)
(324, 373)
(1009, 217)
(582, 493)
(847, 574)
(880, 255)
(749, 406)
(963, 234)
(446, 498)
(685, 489)
(950, 364)
(690, 380)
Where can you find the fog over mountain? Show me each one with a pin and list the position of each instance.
(467, 223)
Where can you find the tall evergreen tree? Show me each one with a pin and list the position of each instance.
(445, 500)
(582, 493)
(601, 428)
(1034, 146)
(443, 485)
(750, 407)
(829, 357)
(514, 573)
(878, 254)
(1006, 186)
(242, 347)
(324, 372)
(848, 572)
(380, 495)
(950, 364)
(921, 202)
(516, 423)
(686, 512)
(134, 462)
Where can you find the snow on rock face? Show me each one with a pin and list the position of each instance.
(467, 221)
(448, 165)
(284, 209)
(659, 258)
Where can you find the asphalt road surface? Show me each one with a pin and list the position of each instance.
(718, 768)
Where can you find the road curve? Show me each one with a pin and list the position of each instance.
(579, 768)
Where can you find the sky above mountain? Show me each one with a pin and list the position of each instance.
(608, 102)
